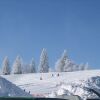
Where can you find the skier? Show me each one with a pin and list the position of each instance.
(29, 92)
(58, 74)
(52, 75)
(40, 78)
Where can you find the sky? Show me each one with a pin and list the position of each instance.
(27, 26)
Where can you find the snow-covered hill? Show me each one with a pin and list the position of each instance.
(9, 89)
(52, 82)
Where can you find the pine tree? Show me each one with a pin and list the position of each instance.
(81, 66)
(86, 66)
(59, 66)
(43, 65)
(75, 67)
(17, 66)
(69, 65)
(5, 66)
(0, 71)
(50, 70)
(32, 66)
(25, 68)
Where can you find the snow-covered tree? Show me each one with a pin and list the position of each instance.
(81, 66)
(43, 65)
(0, 71)
(59, 66)
(25, 68)
(32, 66)
(69, 65)
(50, 70)
(86, 66)
(17, 66)
(75, 67)
(5, 66)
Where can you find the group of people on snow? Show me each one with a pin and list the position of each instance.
(51, 75)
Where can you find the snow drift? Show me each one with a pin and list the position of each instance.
(80, 88)
(9, 89)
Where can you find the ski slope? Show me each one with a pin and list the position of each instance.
(49, 83)
(9, 89)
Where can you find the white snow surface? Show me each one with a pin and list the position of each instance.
(67, 83)
(9, 89)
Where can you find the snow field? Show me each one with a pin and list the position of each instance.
(49, 83)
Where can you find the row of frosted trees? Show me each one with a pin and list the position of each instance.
(18, 67)
(63, 64)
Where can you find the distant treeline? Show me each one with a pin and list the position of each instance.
(63, 64)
